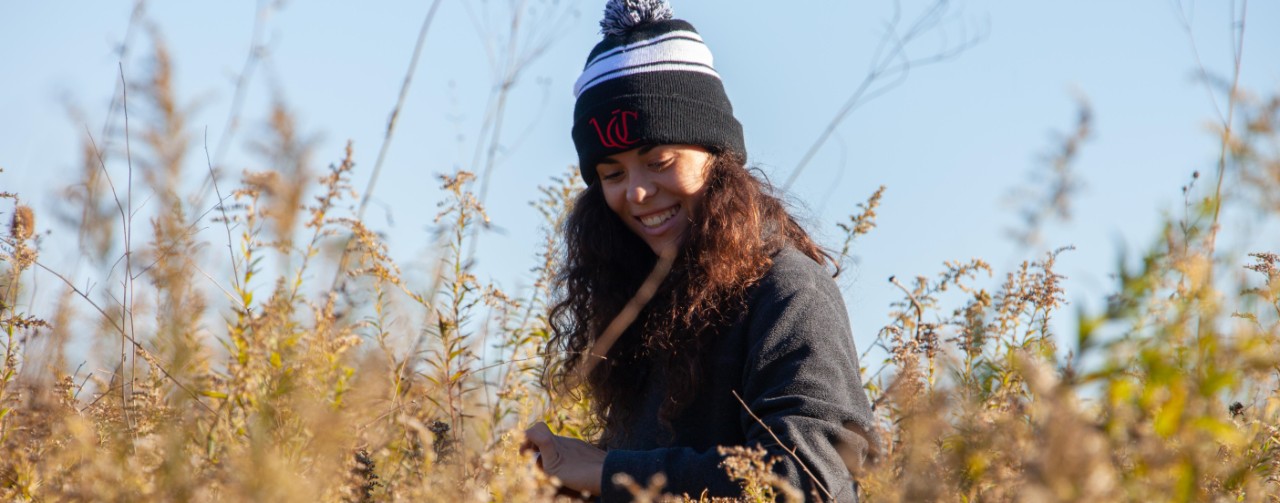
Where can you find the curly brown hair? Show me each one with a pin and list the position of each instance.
(739, 225)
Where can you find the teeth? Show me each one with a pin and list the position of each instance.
(656, 220)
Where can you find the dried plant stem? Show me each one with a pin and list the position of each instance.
(395, 112)
(122, 52)
(226, 223)
(124, 336)
(103, 163)
(126, 304)
(1226, 121)
(451, 333)
(914, 303)
(508, 64)
(599, 348)
(344, 261)
(859, 224)
(894, 64)
(497, 364)
(789, 450)
(1238, 52)
(237, 99)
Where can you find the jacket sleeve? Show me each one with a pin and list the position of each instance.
(801, 379)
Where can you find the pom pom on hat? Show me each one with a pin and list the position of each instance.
(621, 16)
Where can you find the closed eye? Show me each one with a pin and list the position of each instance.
(611, 175)
(662, 164)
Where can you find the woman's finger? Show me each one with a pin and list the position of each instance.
(528, 444)
(544, 442)
(539, 434)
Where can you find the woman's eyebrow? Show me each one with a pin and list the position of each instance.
(643, 150)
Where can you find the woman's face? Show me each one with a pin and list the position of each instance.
(656, 189)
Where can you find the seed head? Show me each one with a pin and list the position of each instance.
(23, 224)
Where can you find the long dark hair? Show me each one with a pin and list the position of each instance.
(739, 225)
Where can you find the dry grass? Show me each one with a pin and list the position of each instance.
(371, 387)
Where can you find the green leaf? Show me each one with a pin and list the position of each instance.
(1187, 481)
(1221, 431)
(1121, 391)
(1087, 326)
(1215, 381)
(1169, 419)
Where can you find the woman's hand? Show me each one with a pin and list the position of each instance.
(577, 464)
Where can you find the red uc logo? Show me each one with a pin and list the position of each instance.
(616, 133)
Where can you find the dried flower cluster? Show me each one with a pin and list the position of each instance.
(23, 224)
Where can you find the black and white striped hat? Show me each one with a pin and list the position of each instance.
(650, 81)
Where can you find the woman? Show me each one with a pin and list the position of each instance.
(748, 308)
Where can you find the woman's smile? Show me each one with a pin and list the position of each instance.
(653, 221)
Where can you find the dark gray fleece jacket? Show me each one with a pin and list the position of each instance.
(792, 359)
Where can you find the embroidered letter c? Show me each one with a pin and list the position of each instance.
(617, 133)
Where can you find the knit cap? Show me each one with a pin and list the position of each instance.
(650, 81)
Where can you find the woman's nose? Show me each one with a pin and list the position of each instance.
(641, 189)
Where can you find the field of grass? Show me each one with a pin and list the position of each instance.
(333, 378)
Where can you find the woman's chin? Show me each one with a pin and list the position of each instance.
(668, 234)
(666, 242)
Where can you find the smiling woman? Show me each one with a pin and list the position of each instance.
(655, 190)
(748, 309)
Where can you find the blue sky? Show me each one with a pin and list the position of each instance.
(951, 142)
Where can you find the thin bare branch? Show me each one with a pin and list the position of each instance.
(894, 64)
(789, 450)
(599, 347)
(127, 280)
(124, 335)
(344, 261)
(1232, 96)
(226, 223)
(395, 112)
